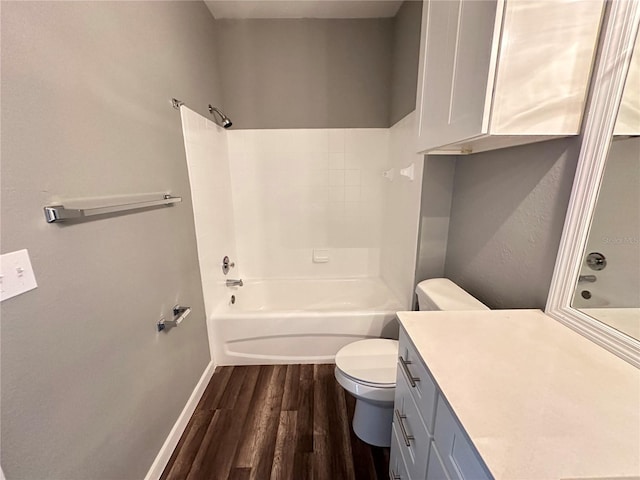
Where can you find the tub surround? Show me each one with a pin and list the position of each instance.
(536, 399)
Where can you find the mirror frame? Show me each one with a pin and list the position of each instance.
(619, 31)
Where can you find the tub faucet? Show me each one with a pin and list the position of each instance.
(233, 283)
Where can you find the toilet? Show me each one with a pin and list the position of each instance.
(367, 368)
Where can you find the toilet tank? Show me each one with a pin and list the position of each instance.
(443, 294)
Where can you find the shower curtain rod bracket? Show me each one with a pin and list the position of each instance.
(175, 103)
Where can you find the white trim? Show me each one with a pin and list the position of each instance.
(620, 32)
(176, 432)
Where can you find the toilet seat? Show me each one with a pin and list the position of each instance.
(370, 363)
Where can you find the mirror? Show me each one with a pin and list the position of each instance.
(596, 283)
(608, 287)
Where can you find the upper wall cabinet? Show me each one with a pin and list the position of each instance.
(504, 72)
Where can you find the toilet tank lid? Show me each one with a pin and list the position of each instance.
(443, 294)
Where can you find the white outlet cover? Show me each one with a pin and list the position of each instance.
(16, 274)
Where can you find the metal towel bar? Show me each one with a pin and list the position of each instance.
(58, 213)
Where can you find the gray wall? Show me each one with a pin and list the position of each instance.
(506, 220)
(435, 208)
(306, 73)
(404, 59)
(89, 389)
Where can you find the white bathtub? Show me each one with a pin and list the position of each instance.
(300, 320)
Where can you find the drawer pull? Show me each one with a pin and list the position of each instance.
(405, 435)
(405, 367)
(394, 476)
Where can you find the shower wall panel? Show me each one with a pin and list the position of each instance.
(401, 214)
(300, 190)
(209, 177)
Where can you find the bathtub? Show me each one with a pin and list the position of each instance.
(300, 320)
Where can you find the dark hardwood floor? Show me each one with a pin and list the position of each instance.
(285, 422)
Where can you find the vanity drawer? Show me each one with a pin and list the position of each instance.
(436, 469)
(412, 434)
(458, 455)
(422, 387)
(397, 465)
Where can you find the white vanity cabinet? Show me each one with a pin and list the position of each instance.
(498, 73)
(427, 441)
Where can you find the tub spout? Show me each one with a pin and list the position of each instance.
(233, 283)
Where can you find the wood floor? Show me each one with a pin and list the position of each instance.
(284, 422)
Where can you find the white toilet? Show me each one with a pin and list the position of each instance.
(367, 368)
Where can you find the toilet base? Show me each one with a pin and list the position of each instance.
(372, 422)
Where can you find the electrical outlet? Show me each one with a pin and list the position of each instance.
(16, 274)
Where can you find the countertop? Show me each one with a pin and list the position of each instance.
(538, 400)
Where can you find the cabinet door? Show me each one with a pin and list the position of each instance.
(458, 53)
(544, 66)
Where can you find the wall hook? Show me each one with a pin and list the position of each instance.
(408, 172)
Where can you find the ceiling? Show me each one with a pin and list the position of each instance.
(303, 8)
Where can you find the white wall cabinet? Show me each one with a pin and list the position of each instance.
(427, 441)
(498, 73)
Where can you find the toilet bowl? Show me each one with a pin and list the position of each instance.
(367, 368)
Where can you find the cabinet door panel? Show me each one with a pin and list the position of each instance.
(469, 103)
(439, 55)
(546, 54)
(457, 453)
(436, 470)
(459, 37)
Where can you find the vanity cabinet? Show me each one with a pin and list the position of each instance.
(427, 440)
(498, 73)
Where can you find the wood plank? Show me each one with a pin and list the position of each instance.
(192, 440)
(283, 455)
(234, 387)
(304, 425)
(214, 460)
(217, 386)
(201, 458)
(240, 474)
(185, 452)
(258, 439)
(291, 388)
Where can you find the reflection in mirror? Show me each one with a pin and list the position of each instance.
(608, 287)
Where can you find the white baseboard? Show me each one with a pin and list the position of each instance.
(176, 432)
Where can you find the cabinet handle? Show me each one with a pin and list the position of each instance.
(405, 435)
(394, 476)
(405, 367)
